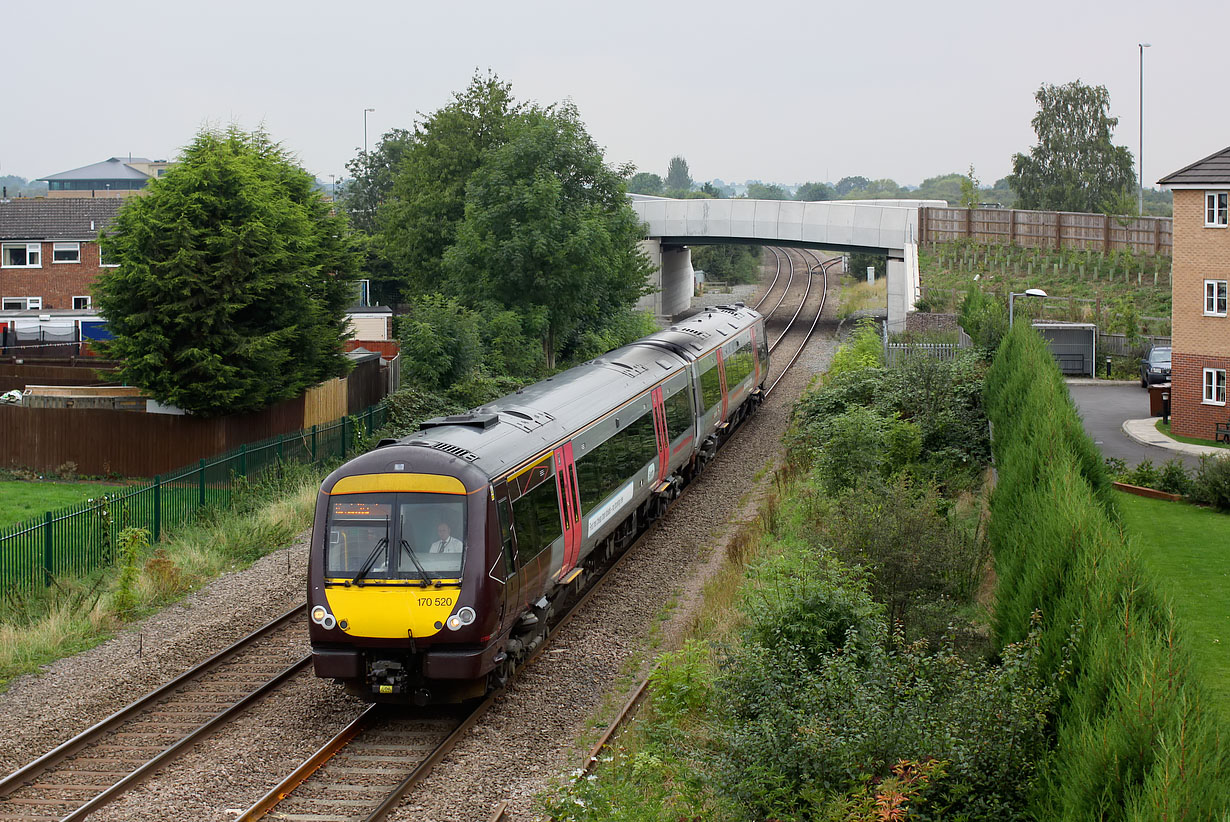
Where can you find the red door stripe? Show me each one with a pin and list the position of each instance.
(659, 427)
(722, 379)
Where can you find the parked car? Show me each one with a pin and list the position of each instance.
(1155, 366)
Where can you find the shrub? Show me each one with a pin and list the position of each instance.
(440, 341)
(861, 443)
(1211, 485)
(864, 349)
(922, 566)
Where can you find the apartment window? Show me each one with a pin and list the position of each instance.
(1215, 298)
(1216, 209)
(21, 255)
(1215, 386)
(22, 303)
(66, 253)
(81, 303)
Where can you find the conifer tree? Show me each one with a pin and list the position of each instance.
(233, 279)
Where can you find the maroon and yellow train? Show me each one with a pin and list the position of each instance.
(437, 559)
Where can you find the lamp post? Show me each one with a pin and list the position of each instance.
(1029, 292)
(366, 111)
(333, 186)
(1140, 156)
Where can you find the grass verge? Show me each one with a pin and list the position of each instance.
(22, 499)
(78, 613)
(1187, 548)
(1164, 428)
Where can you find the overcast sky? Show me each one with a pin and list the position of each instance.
(778, 91)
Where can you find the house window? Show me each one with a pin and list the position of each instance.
(1215, 298)
(103, 261)
(81, 303)
(1215, 386)
(22, 303)
(66, 253)
(21, 255)
(1216, 209)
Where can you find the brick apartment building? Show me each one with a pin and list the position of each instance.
(49, 254)
(1200, 357)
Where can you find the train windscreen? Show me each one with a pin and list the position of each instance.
(412, 536)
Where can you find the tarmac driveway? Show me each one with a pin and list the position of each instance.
(1103, 409)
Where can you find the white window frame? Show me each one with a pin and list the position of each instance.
(1214, 379)
(31, 303)
(1215, 298)
(5, 300)
(1216, 206)
(35, 248)
(101, 264)
(58, 247)
(89, 302)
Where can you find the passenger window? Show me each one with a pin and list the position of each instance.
(506, 537)
(537, 520)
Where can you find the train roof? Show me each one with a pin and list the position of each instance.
(501, 434)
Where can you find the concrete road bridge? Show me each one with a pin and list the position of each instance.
(844, 226)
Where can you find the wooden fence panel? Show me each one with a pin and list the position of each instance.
(325, 402)
(1049, 229)
(129, 443)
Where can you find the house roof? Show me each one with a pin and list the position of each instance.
(67, 218)
(1214, 169)
(113, 168)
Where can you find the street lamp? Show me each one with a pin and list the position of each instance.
(1029, 292)
(333, 187)
(1140, 157)
(366, 111)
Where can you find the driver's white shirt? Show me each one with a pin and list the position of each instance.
(452, 545)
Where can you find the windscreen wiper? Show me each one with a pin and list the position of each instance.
(405, 546)
(370, 561)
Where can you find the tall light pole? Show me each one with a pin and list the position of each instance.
(366, 111)
(1140, 157)
(1029, 292)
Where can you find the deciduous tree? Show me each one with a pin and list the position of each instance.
(815, 191)
(548, 230)
(233, 281)
(645, 182)
(1074, 166)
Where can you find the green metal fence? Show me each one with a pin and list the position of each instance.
(82, 537)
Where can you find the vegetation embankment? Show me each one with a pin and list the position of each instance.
(1134, 734)
(842, 673)
(1116, 290)
(1187, 550)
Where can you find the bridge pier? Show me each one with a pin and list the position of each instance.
(673, 280)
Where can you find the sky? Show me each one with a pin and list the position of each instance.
(783, 92)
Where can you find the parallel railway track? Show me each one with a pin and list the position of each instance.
(362, 773)
(104, 761)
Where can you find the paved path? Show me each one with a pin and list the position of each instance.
(1106, 406)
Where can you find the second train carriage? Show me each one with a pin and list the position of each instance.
(436, 559)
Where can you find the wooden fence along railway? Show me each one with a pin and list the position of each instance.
(1047, 229)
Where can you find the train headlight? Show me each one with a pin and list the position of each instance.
(466, 615)
(454, 622)
(319, 613)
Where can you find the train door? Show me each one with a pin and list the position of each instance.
(506, 564)
(659, 428)
(722, 376)
(570, 508)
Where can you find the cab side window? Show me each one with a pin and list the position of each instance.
(506, 537)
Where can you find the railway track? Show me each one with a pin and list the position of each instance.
(363, 772)
(101, 763)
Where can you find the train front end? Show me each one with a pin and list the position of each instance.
(402, 605)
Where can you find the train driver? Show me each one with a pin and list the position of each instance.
(447, 543)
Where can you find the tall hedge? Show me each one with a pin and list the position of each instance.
(1135, 738)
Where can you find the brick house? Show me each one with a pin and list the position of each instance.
(49, 254)
(1200, 358)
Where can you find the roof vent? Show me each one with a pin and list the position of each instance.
(481, 421)
(448, 448)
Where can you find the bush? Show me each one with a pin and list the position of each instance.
(984, 318)
(860, 443)
(922, 566)
(1134, 738)
(440, 342)
(864, 349)
(1211, 485)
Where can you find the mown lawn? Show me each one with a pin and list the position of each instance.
(1188, 547)
(22, 499)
